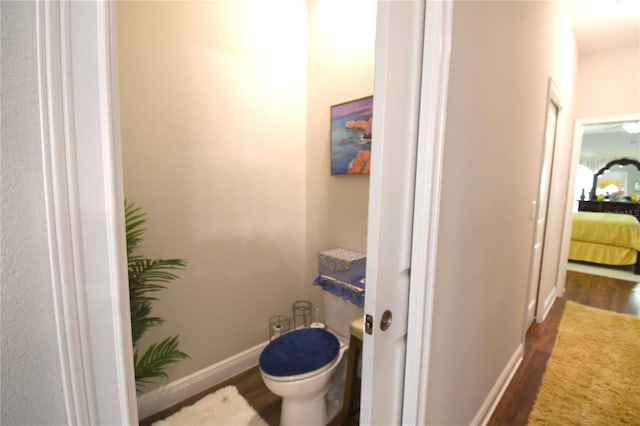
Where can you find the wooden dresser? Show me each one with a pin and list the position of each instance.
(605, 206)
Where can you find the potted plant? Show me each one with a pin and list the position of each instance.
(147, 276)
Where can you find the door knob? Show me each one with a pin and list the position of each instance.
(385, 322)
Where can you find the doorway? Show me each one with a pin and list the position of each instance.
(537, 308)
(225, 125)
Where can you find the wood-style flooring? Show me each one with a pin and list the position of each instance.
(600, 292)
(517, 402)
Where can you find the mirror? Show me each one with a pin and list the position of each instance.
(602, 143)
(616, 179)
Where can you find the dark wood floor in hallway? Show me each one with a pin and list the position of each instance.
(600, 292)
(516, 403)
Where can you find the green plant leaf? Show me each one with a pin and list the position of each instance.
(147, 276)
(134, 219)
(148, 272)
(141, 321)
(156, 359)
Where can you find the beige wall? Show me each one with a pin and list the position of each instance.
(608, 83)
(340, 68)
(502, 56)
(225, 124)
(213, 101)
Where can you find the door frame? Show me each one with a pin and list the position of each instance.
(544, 306)
(84, 201)
(539, 311)
(431, 140)
(575, 160)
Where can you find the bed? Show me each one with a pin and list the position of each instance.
(605, 238)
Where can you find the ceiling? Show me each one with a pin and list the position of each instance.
(605, 24)
(600, 25)
(609, 140)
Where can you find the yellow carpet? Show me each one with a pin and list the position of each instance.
(593, 375)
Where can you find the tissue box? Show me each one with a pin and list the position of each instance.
(342, 264)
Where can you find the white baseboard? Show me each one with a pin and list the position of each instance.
(548, 304)
(177, 391)
(488, 407)
(531, 311)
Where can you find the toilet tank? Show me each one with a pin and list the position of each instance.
(338, 314)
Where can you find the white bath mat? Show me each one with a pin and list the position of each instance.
(225, 407)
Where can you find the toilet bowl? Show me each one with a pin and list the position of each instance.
(299, 366)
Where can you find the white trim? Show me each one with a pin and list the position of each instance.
(483, 415)
(548, 304)
(84, 208)
(431, 139)
(179, 390)
(60, 198)
(531, 307)
(534, 279)
(553, 97)
(114, 201)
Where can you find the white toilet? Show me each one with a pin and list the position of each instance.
(304, 366)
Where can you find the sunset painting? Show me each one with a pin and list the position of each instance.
(351, 137)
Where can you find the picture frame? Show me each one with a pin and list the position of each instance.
(351, 137)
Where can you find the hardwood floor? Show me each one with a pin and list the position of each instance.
(517, 402)
(600, 292)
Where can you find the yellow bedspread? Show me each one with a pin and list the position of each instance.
(618, 230)
(601, 253)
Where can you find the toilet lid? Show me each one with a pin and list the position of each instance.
(299, 352)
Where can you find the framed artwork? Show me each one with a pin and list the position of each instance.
(351, 137)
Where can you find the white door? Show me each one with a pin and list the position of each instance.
(408, 114)
(535, 306)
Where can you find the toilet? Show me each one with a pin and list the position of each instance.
(306, 367)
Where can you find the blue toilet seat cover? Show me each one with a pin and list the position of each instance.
(299, 352)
